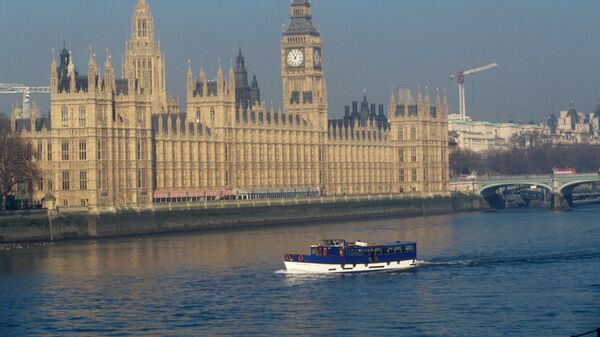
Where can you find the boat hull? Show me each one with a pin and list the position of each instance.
(327, 268)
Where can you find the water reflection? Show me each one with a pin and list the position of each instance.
(476, 270)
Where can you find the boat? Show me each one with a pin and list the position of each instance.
(339, 256)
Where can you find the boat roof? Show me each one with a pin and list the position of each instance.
(336, 242)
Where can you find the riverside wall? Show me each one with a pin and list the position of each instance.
(81, 223)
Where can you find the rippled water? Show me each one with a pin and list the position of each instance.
(508, 273)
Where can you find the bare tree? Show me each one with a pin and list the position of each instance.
(535, 159)
(16, 165)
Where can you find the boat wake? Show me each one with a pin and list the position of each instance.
(461, 261)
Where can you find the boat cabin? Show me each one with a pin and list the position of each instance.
(373, 251)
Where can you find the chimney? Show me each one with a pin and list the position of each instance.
(347, 110)
(355, 107)
(373, 108)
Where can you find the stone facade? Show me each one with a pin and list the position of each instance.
(120, 143)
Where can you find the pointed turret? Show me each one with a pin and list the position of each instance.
(445, 105)
(71, 74)
(438, 102)
(92, 71)
(203, 81)
(109, 74)
(220, 80)
(231, 81)
(254, 91)
(427, 102)
(53, 74)
(419, 101)
(190, 81)
(160, 124)
(392, 106)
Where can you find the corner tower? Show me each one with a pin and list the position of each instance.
(144, 61)
(304, 86)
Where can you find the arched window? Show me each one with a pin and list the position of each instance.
(198, 115)
(82, 117)
(64, 117)
(413, 133)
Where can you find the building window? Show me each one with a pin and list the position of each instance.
(101, 179)
(100, 150)
(402, 175)
(41, 184)
(400, 133)
(39, 151)
(307, 97)
(65, 181)
(295, 99)
(64, 117)
(50, 184)
(141, 181)
(83, 180)
(413, 133)
(139, 150)
(82, 117)
(413, 154)
(82, 150)
(413, 174)
(212, 115)
(49, 151)
(65, 151)
(142, 28)
(198, 115)
(401, 155)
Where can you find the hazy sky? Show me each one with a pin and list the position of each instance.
(548, 51)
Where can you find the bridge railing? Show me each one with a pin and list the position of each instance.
(530, 177)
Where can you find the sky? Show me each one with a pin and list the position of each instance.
(548, 51)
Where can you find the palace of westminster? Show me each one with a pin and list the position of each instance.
(123, 143)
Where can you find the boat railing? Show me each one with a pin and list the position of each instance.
(597, 331)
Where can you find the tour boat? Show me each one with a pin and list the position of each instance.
(339, 256)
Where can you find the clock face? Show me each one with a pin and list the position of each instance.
(295, 57)
(317, 58)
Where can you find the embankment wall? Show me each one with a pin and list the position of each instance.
(66, 224)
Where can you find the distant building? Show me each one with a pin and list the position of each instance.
(573, 127)
(480, 136)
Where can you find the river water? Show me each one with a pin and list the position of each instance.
(508, 273)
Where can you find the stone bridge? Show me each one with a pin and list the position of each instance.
(560, 186)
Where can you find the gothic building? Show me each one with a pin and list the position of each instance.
(122, 143)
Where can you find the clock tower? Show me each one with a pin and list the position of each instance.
(304, 87)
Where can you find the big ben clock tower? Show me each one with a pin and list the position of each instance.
(304, 87)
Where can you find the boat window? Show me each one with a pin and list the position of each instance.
(408, 248)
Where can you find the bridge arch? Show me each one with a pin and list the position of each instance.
(495, 186)
(568, 187)
(488, 192)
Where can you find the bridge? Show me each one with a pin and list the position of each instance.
(560, 187)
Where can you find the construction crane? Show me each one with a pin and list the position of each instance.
(17, 88)
(460, 78)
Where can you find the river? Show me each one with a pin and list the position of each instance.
(526, 272)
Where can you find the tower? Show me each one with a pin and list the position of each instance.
(304, 86)
(143, 61)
